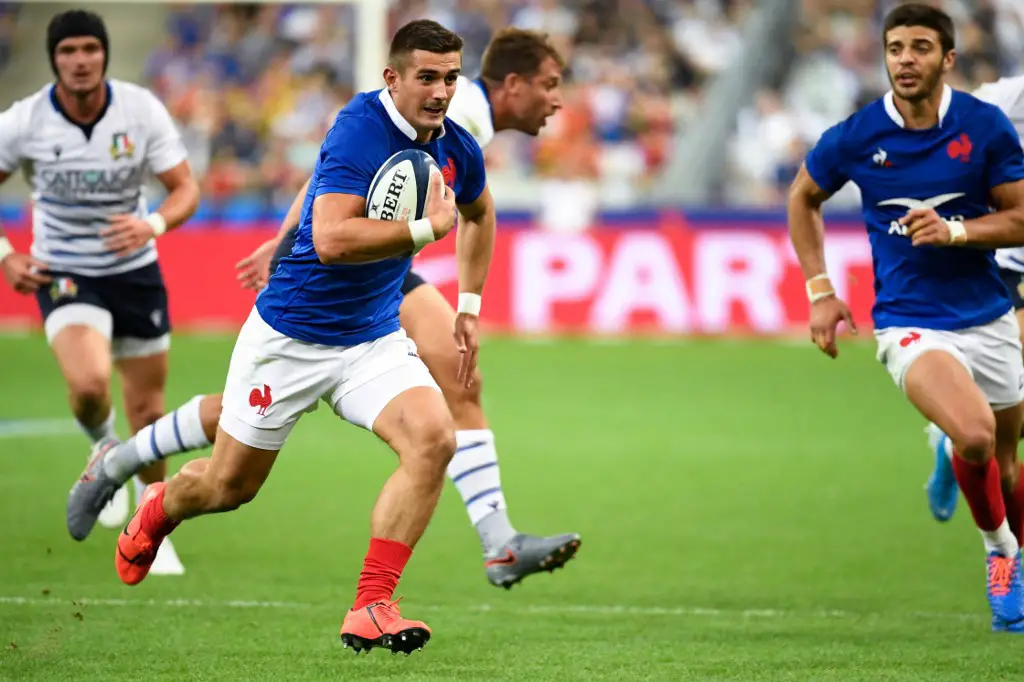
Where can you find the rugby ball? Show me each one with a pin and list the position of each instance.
(399, 189)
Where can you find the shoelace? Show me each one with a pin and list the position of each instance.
(1000, 573)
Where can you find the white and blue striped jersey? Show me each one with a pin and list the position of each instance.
(82, 175)
(1008, 95)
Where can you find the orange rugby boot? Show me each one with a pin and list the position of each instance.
(136, 546)
(381, 625)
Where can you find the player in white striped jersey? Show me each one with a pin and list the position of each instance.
(519, 90)
(942, 489)
(86, 145)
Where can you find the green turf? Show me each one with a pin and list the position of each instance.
(749, 510)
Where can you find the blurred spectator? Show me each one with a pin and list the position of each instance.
(8, 20)
(255, 87)
(839, 67)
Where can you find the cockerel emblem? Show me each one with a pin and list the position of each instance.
(260, 400)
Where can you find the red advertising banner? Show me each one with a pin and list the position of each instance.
(665, 280)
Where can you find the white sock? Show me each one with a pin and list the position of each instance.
(1001, 540)
(475, 473)
(104, 430)
(179, 431)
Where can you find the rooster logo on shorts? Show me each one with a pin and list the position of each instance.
(260, 400)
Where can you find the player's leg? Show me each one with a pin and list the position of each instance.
(932, 370)
(78, 328)
(254, 426)
(142, 364)
(190, 427)
(143, 379)
(390, 391)
(941, 486)
(509, 556)
(229, 478)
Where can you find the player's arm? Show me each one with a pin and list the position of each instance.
(1004, 166)
(291, 219)
(254, 269)
(23, 272)
(353, 151)
(818, 178)
(342, 235)
(474, 246)
(167, 158)
(807, 231)
(1005, 227)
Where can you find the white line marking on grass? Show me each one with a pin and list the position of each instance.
(584, 609)
(37, 428)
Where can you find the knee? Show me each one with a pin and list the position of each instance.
(142, 412)
(234, 491)
(976, 439)
(90, 388)
(435, 447)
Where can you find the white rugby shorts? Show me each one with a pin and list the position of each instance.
(274, 379)
(990, 352)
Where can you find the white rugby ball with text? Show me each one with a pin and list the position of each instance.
(399, 189)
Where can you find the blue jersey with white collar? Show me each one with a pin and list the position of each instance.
(951, 167)
(348, 304)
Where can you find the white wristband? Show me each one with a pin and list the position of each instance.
(470, 303)
(957, 232)
(158, 223)
(422, 233)
(5, 248)
(812, 296)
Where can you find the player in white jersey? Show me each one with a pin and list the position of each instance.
(942, 490)
(519, 90)
(86, 144)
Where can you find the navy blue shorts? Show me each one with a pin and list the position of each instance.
(412, 280)
(136, 300)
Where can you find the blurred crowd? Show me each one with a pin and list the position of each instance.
(838, 68)
(8, 17)
(254, 87)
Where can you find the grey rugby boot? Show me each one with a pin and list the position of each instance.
(525, 555)
(91, 492)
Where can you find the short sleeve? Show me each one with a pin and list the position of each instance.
(826, 162)
(11, 132)
(1003, 155)
(165, 148)
(353, 151)
(476, 175)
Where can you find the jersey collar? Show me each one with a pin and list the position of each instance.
(399, 120)
(897, 118)
(86, 128)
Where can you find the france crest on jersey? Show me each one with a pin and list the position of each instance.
(349, 304)
(951, 167)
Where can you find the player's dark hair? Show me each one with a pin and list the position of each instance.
(920, 14)
(76, 23)
(516, 50)
(422, 34)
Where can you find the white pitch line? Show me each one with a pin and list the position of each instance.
(37, 428)
(552, 609)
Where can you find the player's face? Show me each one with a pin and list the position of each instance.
(80, 64)
(424, 88)
(915, 62)
(535, 99)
